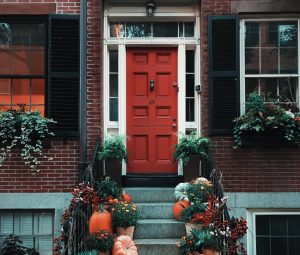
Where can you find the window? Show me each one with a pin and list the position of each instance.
(34, 228)
(39, 67)
(190, 86)
(151, 29)
(277, 234)
(22, 67)
(113, 86)
(271, 60)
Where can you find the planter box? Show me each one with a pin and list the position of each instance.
(113, 169)
(266, 141)
(192, 169)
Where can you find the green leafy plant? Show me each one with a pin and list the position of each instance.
(124, 214)
(107, 189)
(27, 130)
(114, 148)
(13, 245)
(189, 145)
(265, 118)
(100, 241)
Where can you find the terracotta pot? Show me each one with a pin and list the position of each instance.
(190, 226)
(210, 252)
(125, 231)
(103, 253)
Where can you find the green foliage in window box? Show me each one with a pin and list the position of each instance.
(191, 145)
(12, 245)
(114, 148)
(26, 130)
(263, 118)
(124, 214)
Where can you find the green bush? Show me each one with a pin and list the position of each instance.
(114, 148)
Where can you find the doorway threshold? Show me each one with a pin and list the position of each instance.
(151, 180)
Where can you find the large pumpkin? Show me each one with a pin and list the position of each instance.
(180, 192)
(100, 221)
(126, 197)
(124, 246)
(179, 207)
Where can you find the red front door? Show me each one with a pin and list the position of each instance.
(151, 109)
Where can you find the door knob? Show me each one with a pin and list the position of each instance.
(174, 125)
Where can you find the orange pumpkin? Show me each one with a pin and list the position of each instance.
(124, 246)
(179, 207)
(126, 197)
(100, 221)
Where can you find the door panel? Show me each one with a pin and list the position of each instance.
(151, 109)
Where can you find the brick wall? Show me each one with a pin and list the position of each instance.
(247, 169)
(60, 174)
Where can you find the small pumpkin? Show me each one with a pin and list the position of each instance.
(180, 192)
(124, 246)
(100, 221)
(126, 197)
(179, 207)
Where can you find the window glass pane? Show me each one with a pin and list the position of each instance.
(190, 61)
(5, 91)
(20, 34)
(252, 34)
(289, 60)
(269, 34)
(288, 33)
(263, 246)
(37, 61)
(113, 85)
(252, 60)
(190, 85)
(287, 89)
(189, 29)
(279, 245)
(20, 91)
(269, 60)
(117, 30)
(5, 60)
(294, 226)
(268, 89)
(7, 224)
(113, 109)
(20, 61)
(262, 225)
(181, 29)
(5, 33)
(165, 29)
(113, 61)
(251, 85)
(190, 109)
(38, 34)
(278, 225)
(138, 29)
(37, 91)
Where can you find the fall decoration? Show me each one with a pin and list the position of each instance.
(179, 207)
(100, 221)
(180, 192)
(124, 246)
(101, 241)
(124, 214)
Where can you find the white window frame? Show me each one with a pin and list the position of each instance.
(243, 75)
(251, 232)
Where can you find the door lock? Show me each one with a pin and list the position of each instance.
(151, 85)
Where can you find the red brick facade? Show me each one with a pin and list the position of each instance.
(244, 170)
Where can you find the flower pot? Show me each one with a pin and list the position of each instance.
(210, 252)
(113, 169)
(190, 226)
(192, 169)
(125, 231)
(103, 253)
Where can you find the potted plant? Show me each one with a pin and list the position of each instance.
(113, 153)
(107, 189)
(26, 130)
(265, 120)
(190, 150)
(124, 218)
(101, 241)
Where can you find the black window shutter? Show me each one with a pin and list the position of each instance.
(63, 73)
(223, 47)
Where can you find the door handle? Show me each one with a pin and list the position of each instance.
(151, 85)
(174, 125)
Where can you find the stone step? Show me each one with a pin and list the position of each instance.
(162, 228)
(163, 210)
(148, 195)
(157, 246)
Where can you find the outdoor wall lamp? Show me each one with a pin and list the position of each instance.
(150, 8)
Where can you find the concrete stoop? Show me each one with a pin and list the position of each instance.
(157, 232)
